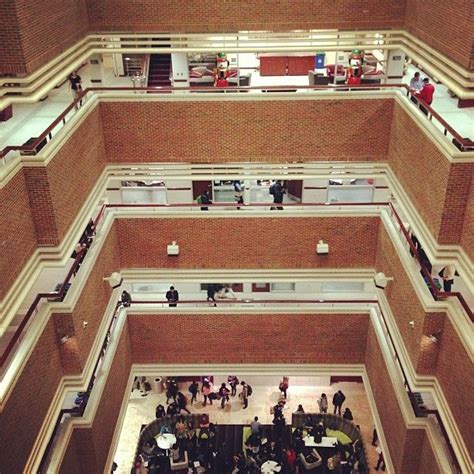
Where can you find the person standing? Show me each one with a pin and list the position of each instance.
(337, 401)
(447, 274)
(182, 403)
(193, 390)
(323, 403)
(204, 198)
(224, 394)
(206, 391)
(211, 293)
(284, 384)
(416, 84)
(160, 411)
(426, 94)
(172, 296)
(75, 86)
(244, 394)
(126, 299)
(277, 190)
(233, 382)
(256, 426)
(380, 461)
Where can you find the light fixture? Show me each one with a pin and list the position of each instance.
(381, 281)
(115, 279)
(322, 248)
(412, 324)
(173, 249)
(64, 339)
(435, 336)
(85, 324)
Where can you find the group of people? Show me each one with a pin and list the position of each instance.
(422, 89)
(83, 244)
(223, 393)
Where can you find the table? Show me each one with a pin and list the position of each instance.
(270, 467)
(166, 440)
(326, 442)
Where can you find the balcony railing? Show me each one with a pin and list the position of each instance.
(60, 294)
(463, 144)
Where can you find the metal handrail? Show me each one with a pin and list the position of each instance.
(465, 144)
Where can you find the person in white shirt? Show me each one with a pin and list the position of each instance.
(416, 84)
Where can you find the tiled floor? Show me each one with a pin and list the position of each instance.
(303, 390)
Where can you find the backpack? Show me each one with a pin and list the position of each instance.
(272, 189)
(249, 390)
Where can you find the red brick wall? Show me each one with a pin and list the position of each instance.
(445, 26)
(249, 338)
(401, 296)
(467, 234)
(41, 29)
(91, 305)
(11, 52)
(395, 430)
(455, 204)
(92, 444)
(427, 458)
(17, 232)
(25, 410)
(455, 374)
(412, 155)
(75, 169)
(248, 243)
(271, 131)
(199, 16)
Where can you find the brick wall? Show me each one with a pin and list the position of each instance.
(249, 338)
(467, 234)
(75, 169)
(455, 203)
(202, 16)
(401, 296)
(41, 30)
(92, 444)
(455, 373)
(17, 232)
(445, 26)
(25, 410)
(11, 52)
(270, 131)
(90, 306)
(268, 242)
(427, 458)
(412, 155)
(395, 430)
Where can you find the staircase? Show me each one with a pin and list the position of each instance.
(159, 70)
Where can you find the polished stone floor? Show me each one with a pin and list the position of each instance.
(303, 390)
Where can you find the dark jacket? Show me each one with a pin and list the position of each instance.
(172, 295)
(338, 399)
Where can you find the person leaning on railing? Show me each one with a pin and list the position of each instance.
(426, 94)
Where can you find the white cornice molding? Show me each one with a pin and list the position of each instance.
(457, 78)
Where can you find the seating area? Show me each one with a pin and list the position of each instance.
(313, 443)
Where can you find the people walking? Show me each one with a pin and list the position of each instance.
(224, 394)
(323, 403)
(337, 401)
(206, 391)
(233, 381)
(244, 394)
(182, 403)
(193, 390)
(284, 384)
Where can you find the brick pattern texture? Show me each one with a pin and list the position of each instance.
(90, 446)
(467, 235)
(11, 52)
(74, 170)
(42, 30)
(224, 16)
(268, 131)
(411, 154)
(249, 338)
(219, 242)
(23, 415)
(455, 374)
(17, 232)
(92, 303)
(446, 26)
(427, 458)
(455, 203)
(388, 408)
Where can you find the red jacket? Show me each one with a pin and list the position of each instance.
(427, 93)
